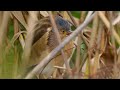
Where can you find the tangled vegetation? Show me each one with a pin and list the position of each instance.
(94, 52)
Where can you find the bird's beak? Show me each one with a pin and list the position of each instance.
(69, 32)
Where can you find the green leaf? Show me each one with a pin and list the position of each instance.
(76, 14)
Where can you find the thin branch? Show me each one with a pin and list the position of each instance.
(78, 61)
(58, 48)
(77, 41)
(117, 20)
(112, 38)
(88, 15)
(107, 23)
(59, 39)
(73, 20)
(92, 42)
(115, 69)
(15, 66)
(76, 25)
(72, 50)
(29, 38)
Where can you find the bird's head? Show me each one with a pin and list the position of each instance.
(63, 26)
(42, 25)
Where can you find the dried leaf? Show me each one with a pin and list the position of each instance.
(20, 18)
(44, 13)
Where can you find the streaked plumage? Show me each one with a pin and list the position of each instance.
(45, 41)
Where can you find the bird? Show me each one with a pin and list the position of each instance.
(44, 41)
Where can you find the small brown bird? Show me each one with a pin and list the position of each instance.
(45, 41)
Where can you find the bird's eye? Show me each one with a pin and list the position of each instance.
(63, 31)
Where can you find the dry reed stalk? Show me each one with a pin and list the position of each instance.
(58, 48)
(59, 40)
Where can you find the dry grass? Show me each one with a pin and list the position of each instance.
(97, 45)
